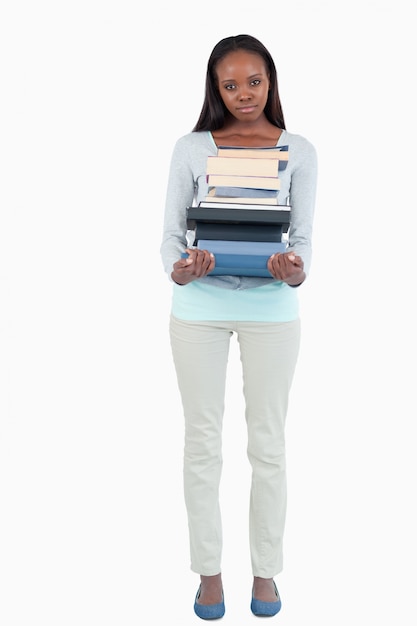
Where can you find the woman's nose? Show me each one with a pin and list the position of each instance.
(245, 94)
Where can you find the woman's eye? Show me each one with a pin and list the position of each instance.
(229, 86)
(256, 81)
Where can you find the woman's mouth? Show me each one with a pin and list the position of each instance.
(247, 109)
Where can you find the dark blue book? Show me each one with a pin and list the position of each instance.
(239, 232)
(271, 215)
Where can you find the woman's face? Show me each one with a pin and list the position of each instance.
(243, 84)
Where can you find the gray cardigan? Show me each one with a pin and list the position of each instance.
(187, 185)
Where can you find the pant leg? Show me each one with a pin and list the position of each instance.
(200, 351)
(269, 353)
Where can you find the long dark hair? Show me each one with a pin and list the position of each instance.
(213, 112)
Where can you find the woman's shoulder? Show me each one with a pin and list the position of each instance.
(296, 140)
(298, 145)
(195, 139)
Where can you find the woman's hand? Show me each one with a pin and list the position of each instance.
(198, 264)
(287, 267)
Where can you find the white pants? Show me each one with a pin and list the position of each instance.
(268, 352)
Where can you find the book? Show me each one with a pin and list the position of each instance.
(244, 206)
(249, 182)
(253, 261)
(222, 246)
(271, 152)
(272, 201)
(280, 153)
(237, 215)
(240, 271)
(242, 166)
(239, 265)
(244, 192)
(238, 232)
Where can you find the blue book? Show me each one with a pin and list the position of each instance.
(243, 192)
(239, 265)
(240, 271)
(217, 246)
(253, 261)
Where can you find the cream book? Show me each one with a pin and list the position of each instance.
(242, 166)
(253, 153)
(251, 182)
(241, 200)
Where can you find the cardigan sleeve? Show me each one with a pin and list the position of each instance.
(179, 195)
(302, 200)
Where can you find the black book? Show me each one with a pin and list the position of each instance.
(213, 215)
(238, 232)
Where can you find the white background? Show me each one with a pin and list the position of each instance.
(92, 526)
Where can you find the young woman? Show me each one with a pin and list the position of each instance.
(241, 108)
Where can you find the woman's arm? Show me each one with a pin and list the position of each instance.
(302, 200)
(179, 196)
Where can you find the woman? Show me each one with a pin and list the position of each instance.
(241, 108)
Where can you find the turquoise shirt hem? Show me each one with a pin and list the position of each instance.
(276, 302)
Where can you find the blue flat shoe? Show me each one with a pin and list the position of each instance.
(208, 611)
(266, 609)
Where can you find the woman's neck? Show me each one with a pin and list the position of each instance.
(250, 135)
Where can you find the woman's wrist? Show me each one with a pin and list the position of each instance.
(176, 281)
(299, 282)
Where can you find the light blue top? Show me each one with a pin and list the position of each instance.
(275, 302)
(236, 297)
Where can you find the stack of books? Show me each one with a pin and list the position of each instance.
(245, 175)
(241, 220)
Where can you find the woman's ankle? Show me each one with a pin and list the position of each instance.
(211, 589)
